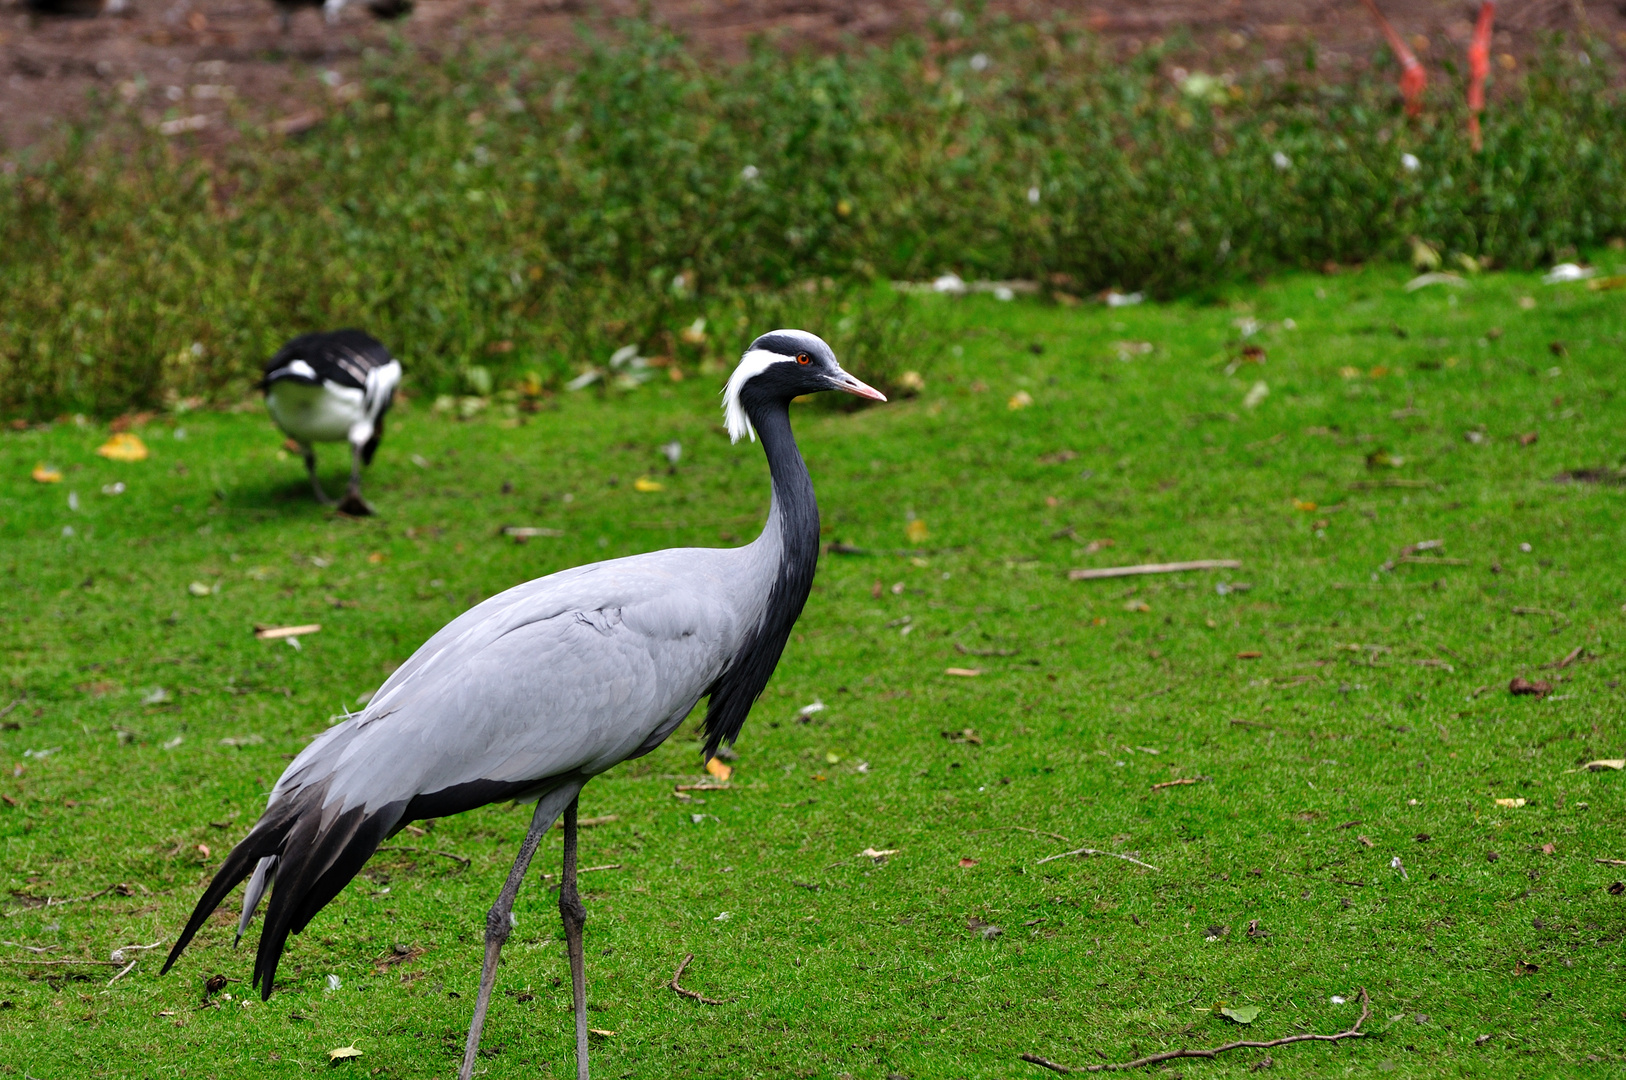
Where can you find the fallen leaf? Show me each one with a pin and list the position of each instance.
(1524, 967)
(203, 849)
(1511, 804)
(963, 672)
(915, 531)
(343, 1053)
(1137, 605)
(124, 446)
(601, 1033)
(1242, 1014)
(46, 474)
(1250, 655)
(1528, 438)
(1019, 400)
(832, 758)
(967, 863)
(644, 483)
(1422, 838)
(718, 769)
(1522, 687)
(1365, 841)
(1605, 763)
(198, 588)
(376, 557)
(871, 853)
(1548, 849)
(1618, 888)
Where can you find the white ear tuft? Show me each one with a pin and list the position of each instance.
(734, 418)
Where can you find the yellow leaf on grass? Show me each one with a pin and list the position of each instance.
(1019, 400)
(47, 474)
(1511, 804)
(718, 768)
(644, 483)
(342, 1053)
(915, 531)
(124, 446)
(1301, 504)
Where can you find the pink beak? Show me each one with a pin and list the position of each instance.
(852, 386)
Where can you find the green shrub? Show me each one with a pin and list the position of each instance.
(486, 212)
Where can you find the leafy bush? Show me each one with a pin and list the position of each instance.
(483, 212)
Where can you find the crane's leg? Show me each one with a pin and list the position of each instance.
(499, 921)
(310, 467)
(575, 917)
(353, 504)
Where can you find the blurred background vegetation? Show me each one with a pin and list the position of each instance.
(503, 223)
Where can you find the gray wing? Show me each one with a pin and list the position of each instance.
(546, 684)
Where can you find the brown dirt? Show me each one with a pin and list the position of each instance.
(195, 62)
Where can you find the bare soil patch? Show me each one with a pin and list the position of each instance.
(191, 64)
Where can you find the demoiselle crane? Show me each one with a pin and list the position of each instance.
(333, 387)
(538, 689)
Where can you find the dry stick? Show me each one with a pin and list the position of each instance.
(1093, 851)
(59, 963)
(1153, 568)
(125, 971)
(1354, 1032)
(1177, 783)
(1611, 862)
(5, 712)
(678, 974)
(428, 851)
(1021, 828)
(32, 948)
(50, 903)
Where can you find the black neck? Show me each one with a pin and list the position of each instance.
(794, 516)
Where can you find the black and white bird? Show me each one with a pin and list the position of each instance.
(333, 387)
(537, 690)
(381, 9)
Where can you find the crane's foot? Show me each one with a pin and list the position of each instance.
(354, 505)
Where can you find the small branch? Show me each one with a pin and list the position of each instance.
(585, 870)
(1153, 568)
(123, 971)
(60, 963)
(678, 974)
(1093, 851)
(5, 712)
(428, 851)
(1021, 828)
(703, 787)
(1354, 1032)
(1177, 783)
(50, 903)
(32, 948)
(1610, 862)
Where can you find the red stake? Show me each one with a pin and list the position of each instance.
(1412, 76)
(1479, 69)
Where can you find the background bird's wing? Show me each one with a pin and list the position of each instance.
(550, 682)
(344, 357)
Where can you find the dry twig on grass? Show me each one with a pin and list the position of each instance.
(49, 902)
(1152, 568)
(61, 963)
(678, 974)
(1610, 862)
(1094, 852)
(1021, 828)
(1354, 1032)
(1177, 783)
(428, 851)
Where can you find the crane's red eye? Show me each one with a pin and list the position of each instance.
(801, 358)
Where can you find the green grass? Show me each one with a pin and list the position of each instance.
(831, 964)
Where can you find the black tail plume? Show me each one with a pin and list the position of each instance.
(319, 850)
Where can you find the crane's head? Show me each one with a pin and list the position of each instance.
(782, 365)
